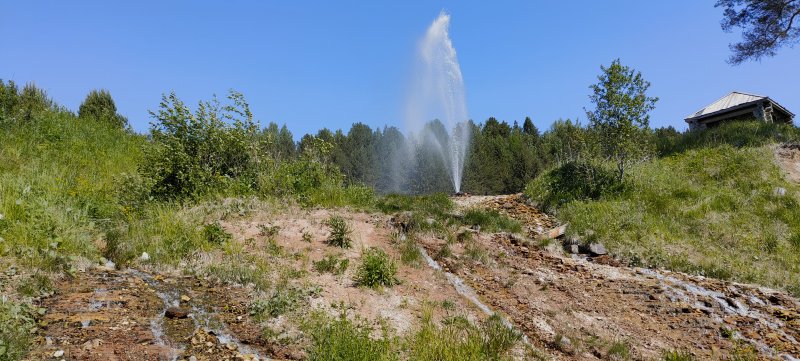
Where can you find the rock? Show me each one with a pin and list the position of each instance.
(185, 298)
(176, 312)
(597, 249)
(58, 353)
(144, 257)
(779, 191)
(555, 232)
(574, 249)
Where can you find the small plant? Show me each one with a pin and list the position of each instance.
(340, 232)
(282, 301)
(726, 332)
(36, 285)
(444, 253)
(307, 237)
(498, 338)
(376, 269)
(332, 264)
(269, 231)
(215, 234)
(409, 252)
(475, 252)
(677, 355)
(619, 351)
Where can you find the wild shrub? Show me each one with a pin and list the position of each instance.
(100, 107)
(194, 154)
(573, 181)
(376, 269)
(23, 106)
(340, 232)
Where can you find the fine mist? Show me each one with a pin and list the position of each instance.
(437, 92)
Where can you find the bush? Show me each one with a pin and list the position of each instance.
(340, 232)
(573, 181)
(193, 155)
(376, 269)
(23, 106)
(100, 107)
(677, 355)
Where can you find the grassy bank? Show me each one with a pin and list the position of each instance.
(710, 208)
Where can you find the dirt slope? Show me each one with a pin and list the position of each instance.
(570, 307)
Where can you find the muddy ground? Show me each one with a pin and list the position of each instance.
(569, 306)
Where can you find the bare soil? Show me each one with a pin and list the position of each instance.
(570, 307)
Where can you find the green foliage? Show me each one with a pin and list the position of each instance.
(17, 328)
(343, 339)
(376, 269)
(620, 116)
(573, 181)
(410, 253)
(738, 134)
(24, 106)
(490, 220)
(332, 264)
(215, 234)
(194, 154)
(458, 340)
(282, 301)
(36, 285)
(710, 211)
(100, 107)
(435, 205)
(340, 232)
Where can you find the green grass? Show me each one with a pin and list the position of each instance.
(677, 355)
(17, 328)
(376, 269)
(490, 220)
(709, 211)
(344, 339)
(332, 264)
(458, 339)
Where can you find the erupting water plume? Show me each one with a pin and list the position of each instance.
(438, 92)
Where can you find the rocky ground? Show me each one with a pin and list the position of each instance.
(570, 306)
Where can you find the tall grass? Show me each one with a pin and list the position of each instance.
(711, 211)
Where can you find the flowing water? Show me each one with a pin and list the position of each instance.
(438, 93)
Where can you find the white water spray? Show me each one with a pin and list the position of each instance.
(438, 93)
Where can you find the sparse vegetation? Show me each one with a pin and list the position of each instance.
(376, 269)
(491, 221)
(677, 355)
(340, 232)
(409, 252)
(332, 264)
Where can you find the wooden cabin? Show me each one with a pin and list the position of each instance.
(739, 106)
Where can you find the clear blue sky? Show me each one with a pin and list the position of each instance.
(332, 63)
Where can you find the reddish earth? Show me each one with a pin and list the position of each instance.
(570, 307)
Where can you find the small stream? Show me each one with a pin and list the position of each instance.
(466, 291)
(200, 317)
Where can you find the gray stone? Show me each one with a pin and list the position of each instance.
(779, 191)
(597, 249)
(574, 249)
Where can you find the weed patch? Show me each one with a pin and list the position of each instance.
(376, 269)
